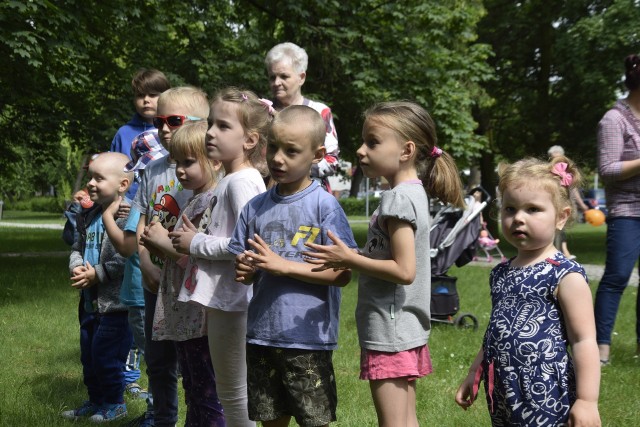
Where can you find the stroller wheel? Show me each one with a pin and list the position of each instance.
(466, 321)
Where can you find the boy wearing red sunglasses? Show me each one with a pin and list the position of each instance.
(146, 86)
(160, 198)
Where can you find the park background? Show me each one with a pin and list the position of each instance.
(502, 79)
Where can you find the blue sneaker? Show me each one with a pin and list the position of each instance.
(86, 410)
(109, 412)
(136, 391)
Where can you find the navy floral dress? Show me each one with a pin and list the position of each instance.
(528, 373)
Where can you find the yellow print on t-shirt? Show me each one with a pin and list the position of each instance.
(303, 232)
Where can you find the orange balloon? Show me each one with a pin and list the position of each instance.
(594, 217)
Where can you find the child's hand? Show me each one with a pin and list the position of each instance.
(265, 258)
(77, 270)
(245, 269)
(584, 414)
(327, 257)
(181, 238)
(465, 395)
(152, 238)
(150, 274)
(83, 277)
(112, 210)
(123, 208)
(154, 233)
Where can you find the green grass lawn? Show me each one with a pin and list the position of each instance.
(41, 372)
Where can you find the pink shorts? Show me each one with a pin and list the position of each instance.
(380, 365)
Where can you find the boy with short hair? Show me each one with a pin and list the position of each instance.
(97, 269)
(147, 85)
(160, 198)
(292, 326)
(145, 148)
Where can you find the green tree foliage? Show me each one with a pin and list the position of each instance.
(558, 68)
(369, 51)
(68, 65)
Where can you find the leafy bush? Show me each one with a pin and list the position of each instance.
(353, 206)
(37, 204)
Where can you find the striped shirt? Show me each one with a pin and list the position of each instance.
(619, 141)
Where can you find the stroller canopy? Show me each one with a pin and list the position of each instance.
(454, 233)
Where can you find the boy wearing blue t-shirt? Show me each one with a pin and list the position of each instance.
(292, 326)
(97, 270)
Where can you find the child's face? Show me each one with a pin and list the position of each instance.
(170, 109)
(226, 137)
(146, 105)
(191, 174)
(290, 155)
(379, 154)
(106, 181)
(529, 218)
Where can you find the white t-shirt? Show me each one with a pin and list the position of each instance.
(215, 279)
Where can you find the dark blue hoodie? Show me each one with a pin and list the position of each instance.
(124, 137)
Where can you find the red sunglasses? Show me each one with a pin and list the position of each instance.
(173, 121)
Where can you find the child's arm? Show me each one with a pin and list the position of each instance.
(75, 259)
(124, 242)
(156, 238)
(401, 268)
(267, 260)
(577, 308)
(466, 395)
(187, 240)
(150, 271)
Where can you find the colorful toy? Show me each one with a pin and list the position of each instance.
(486, 241)
(489, 246)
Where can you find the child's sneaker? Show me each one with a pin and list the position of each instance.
(136, 391)
(109, 412)
(86, 410)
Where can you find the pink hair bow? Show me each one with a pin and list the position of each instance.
(436, 152)
(269, 105)
(560, 169)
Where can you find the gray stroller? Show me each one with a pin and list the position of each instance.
(454, 235)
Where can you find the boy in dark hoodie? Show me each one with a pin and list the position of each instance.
(147, 85)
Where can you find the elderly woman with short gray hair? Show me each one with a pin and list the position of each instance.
(287, 70)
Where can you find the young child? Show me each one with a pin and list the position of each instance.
(160, 198)
(145, 148)
(178, 321)
(97, 270)
(238, 125)
(392, 313)
(293, 317)
(541, 306)
(146, 85)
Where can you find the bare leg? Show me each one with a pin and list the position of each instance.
(395, 401)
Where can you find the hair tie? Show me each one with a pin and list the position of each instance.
(268, 105)
(436, 152)
(244, 97)
(560, 169)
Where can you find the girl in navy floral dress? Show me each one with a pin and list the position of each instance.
(541, 307)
